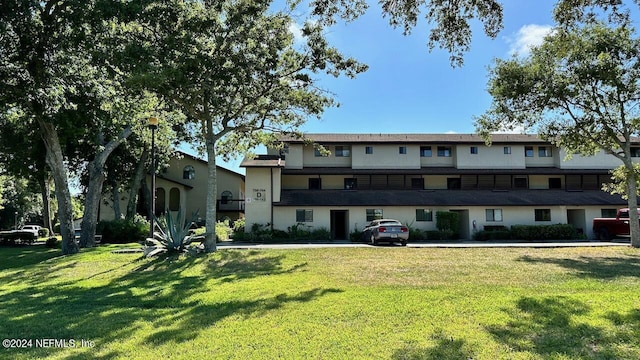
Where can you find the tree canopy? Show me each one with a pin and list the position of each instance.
(580, 90)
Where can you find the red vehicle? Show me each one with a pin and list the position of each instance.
(607, 228)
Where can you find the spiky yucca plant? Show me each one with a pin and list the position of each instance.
(173, 234)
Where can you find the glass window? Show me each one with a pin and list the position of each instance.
(635, 152)
(315, 184)
(520, 182)
(174, 199)
(494, 214)
(304, 215)
(189, 172)
(343, 151)
(507, 150)
(318, 153)
(474, 150)
(425, 151)
(528, 151)
(543, 214)
(608, 213)
(555, 183)
(424, 215)
(444, 151)
(417, 183)
(374, 214)
(350, 183)
(161, 199)
(544, 151)
(226, 197)
(402, 150)
(368, 150)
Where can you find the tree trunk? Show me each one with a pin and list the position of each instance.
(94, 190)
(136, 183)
(55, 160)
(210, 240)
(634, 225)
(46, 204)
(115, 196)
(91, 205)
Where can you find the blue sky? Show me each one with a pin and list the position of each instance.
(408, 89)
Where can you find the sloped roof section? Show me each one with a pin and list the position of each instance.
(485, 198)
(413, 138)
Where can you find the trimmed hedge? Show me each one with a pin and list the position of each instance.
(123, 231)
(543, 232)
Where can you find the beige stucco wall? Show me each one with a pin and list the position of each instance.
(260, 194)
(311, 160)
(490, 157)
(386, 156)
(537, 161)
(285, 217)
(435, 160)
(437, 182)
(294, 157)
(599, 161)
(542, 181)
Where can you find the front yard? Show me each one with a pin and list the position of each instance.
(343, 303)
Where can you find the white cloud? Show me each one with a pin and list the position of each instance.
(528, 37)
(296, 30)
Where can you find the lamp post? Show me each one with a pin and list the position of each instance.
(153, 125)
(15, 226)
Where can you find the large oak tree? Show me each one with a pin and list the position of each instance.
(580, 90)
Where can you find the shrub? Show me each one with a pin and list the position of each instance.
(123, 231)
(543, 232)
(447, 221)
(223, 230)
(485, 235)
(356, 236)
(52, 242)
(320, 234)
(238, 225)
(298, 232)
(43, 232)
(280, 234)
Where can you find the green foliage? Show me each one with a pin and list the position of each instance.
(174, 234)
(123, 231)
(356, 235)
(447, 221)
(223, 230)
(238, 225)
(43, 232)
(52, 242)
(484, 235)
(543, 232)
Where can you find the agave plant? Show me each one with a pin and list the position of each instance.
(172, 233)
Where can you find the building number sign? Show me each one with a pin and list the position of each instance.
(259, 195)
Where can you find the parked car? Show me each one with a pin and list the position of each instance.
(34, 229)
(607, 228)
(385, 230)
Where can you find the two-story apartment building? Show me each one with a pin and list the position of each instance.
(519, 179)
(183, 185)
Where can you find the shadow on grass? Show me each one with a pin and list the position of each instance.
(597, 268)
(550, 327)
(446, 347)
(241, 265)
(25, 256)
(159, 297)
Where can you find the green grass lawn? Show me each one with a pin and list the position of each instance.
(347, 303)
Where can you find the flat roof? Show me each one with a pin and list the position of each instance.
(413, 138)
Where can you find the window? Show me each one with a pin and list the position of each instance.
(161, 200)
(402, 150)
(543, 214)
(424, 215)
(444, 151)
(520, 183)
(318, 153)
(304, 215)
(544, 151)
(635, 151)
(226, 197)
(417, 183)
(425, 151)
(350, 183)
(343, 151)
(555, 183)
(473, 150)
(528, 151)
(454, 184)
(374, 214)
(189, 172)
(494, 214)
(315, 184)
(507, 150)
(608, 213)
(174, 199)
(368, 150)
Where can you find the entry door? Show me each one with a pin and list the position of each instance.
(339, 224)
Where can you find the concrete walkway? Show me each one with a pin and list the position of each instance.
(447, 244)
